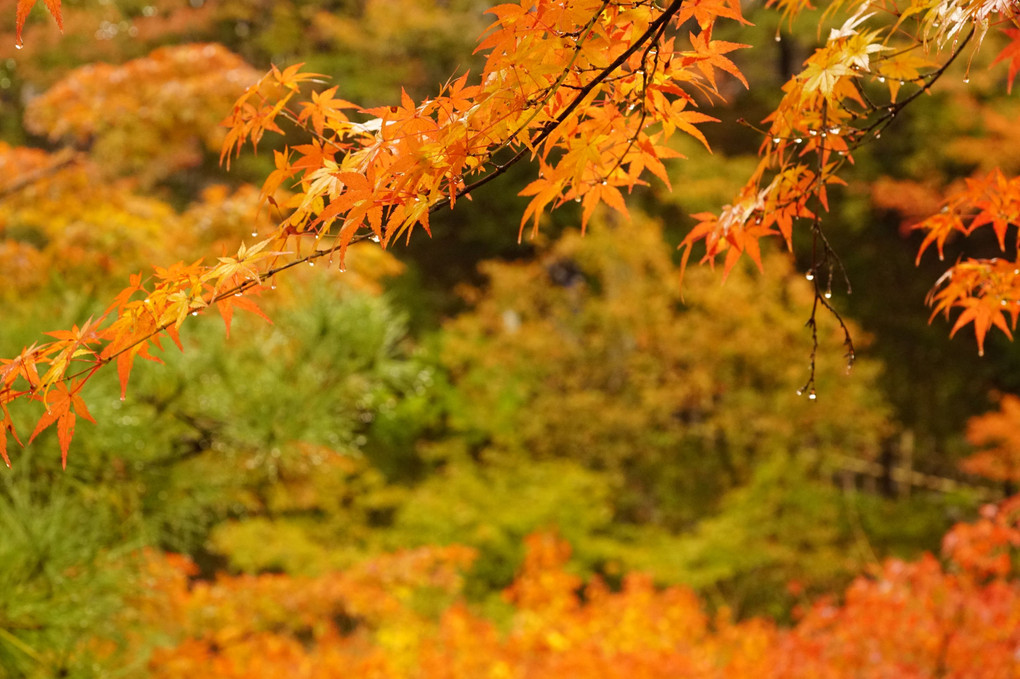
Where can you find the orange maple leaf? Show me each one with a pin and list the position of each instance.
(1012, 53)
(63, 410)
(24, 7)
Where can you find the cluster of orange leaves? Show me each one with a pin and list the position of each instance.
(908, 619)
(824, 114)
(987, 291)
(832, 107)
(54, 372)
(593, 89)
(545, 90)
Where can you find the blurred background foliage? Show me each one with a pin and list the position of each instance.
(466, 389)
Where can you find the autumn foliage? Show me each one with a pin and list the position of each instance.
(590, 90)
(996, 438)
(957, 617)
(583, 388)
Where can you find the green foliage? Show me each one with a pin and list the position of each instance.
(60, 583)
(206, 436)
(676, 402)
(494, 507)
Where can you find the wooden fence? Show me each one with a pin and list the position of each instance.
(893, 474)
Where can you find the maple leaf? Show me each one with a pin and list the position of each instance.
(710, 56)
(1012, 53)
(983, 313)
(6, 425)
(25, 6)
(63, 409)
(939, 228)
(226, 306)
(126, 359)
(901, 68)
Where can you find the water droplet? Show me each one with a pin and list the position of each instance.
(834, 129)
(343, 269)
(254, 233)
(778, 37)
(881, 78)
(19, 45)
(812, 395)
(237, 294)
(311, 263)
(775, 140)
(798, 140)
(374, 238)
(828, 294)
(800, 392)
(812, 132)
(604, 182)
(122, 398)
(272, 285)
(194, 313)
(878, 134)
(578, 199)
(966, 80)
(809, 275)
